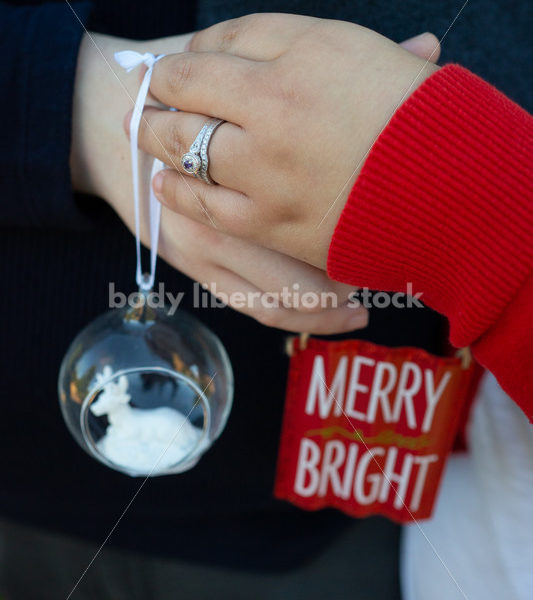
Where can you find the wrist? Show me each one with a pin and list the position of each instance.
(99, 101)
(103, 94)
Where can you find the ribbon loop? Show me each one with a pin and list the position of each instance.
(129, 60)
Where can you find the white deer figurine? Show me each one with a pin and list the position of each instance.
(143, 440)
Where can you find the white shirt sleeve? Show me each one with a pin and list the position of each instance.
(479, 543)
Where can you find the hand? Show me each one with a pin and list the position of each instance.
(100, 165)
(304, 100)
(261, 283)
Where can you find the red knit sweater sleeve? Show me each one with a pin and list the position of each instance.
(445, 201)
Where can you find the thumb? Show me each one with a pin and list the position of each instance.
(425, 45)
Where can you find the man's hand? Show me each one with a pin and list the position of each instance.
(304, 100)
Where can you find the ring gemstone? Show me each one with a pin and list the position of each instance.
(191, 163)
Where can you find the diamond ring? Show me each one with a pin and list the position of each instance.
(204, 169)
(191, 161)
(196, 160)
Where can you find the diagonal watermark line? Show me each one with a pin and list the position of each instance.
(395, 490)
(361, 161)
(139, 490)
(143, 118)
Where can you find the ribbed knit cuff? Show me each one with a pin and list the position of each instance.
(444, 202)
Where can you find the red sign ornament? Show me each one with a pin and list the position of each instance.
(367, 428)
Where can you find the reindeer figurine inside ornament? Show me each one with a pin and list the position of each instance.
(153, 438)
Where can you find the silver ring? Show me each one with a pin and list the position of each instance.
(191, 161)
(212, 124)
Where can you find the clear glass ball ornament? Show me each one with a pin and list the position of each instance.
(144, 391)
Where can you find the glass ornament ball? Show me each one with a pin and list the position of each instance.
(144, 391)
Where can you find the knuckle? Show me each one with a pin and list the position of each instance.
(175, 146)
(231, 32)
(228, 36)
(235, 30)
(182, 74)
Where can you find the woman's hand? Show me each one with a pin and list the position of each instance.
(304, 100)
(231, 268)
(274, 289)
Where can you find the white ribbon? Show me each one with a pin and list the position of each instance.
(129, 60)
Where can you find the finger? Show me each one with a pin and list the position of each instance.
(266, 308)
(298, 284)
(197, 251)
(212, 205)
(426, 45)
(215, 84)
(256, 37)
(189, 245)
(168, 136)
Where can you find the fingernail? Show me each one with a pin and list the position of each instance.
(157, 184)
(418, 37)
(358, 321)
(412, 44)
